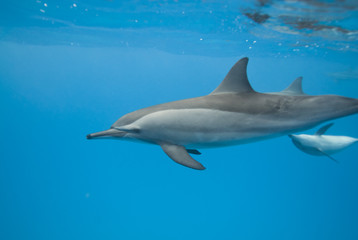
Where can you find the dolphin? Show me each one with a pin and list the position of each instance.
(234, 113)
(322, 145)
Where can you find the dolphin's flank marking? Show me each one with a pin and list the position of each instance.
(232, 114)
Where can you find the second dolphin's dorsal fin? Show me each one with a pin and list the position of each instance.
(295, 88)
(236, 80)
(323, 129)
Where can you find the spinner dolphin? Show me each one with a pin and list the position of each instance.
(320, 144)
(232, 114)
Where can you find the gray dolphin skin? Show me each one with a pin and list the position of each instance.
(232, 114)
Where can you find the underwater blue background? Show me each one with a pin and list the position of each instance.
(69, 68)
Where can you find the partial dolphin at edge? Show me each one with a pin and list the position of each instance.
(320, 144)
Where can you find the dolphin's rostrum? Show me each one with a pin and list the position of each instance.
(232, 114)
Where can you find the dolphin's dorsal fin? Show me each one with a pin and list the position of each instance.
(323, 129)
(295, 88)
(236, 80)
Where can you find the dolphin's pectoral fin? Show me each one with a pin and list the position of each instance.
(327, 155)
(323, 129)
(193, 151)
(180, 155)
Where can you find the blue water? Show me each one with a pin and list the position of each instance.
(69, 68)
